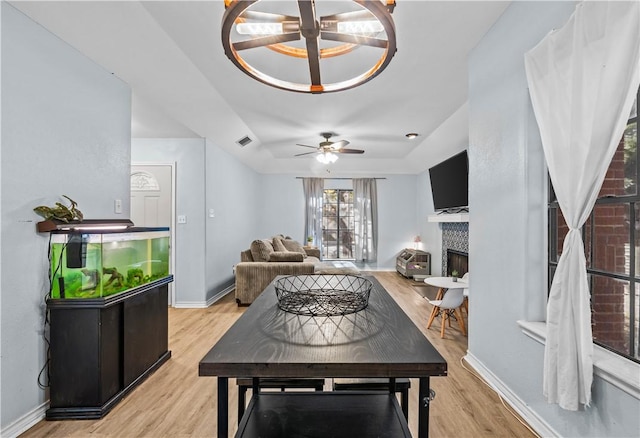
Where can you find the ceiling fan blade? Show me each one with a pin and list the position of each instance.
(350, 151)
(266, 41)
(305, 153)
(306, 146)
(339, 145)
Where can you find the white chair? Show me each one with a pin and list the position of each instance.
(448, 306)
(465, 278)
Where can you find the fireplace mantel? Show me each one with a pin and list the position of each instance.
(449, 217)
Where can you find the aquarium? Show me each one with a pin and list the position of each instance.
(99, 264)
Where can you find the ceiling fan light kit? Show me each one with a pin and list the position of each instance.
(328, 149)
(361, 30)
(327, 157)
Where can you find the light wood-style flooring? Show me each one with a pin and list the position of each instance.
(175, 402)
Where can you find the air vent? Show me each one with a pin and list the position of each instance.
(244, 141)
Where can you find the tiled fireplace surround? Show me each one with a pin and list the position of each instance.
(455, 236)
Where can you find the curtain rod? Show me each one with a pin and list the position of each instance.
(302, 177)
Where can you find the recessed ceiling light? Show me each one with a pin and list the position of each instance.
(411, 135)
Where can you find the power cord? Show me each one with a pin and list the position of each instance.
(45, 324)
(508, 408)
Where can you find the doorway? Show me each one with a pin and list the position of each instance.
(153, 202)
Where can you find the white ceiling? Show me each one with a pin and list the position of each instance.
(171, 55)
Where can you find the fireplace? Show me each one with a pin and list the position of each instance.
(457, 260)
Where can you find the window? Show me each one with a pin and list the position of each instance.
(338, 224)
(612, 248)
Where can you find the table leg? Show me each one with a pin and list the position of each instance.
(425, 397)
(223, 407)
(242, 401)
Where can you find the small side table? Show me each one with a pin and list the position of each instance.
(312, 251)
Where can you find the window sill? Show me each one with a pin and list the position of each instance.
(620, 372)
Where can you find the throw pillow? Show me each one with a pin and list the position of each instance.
(278, 245)
(261, 249)
(294, 246)
(286, 256)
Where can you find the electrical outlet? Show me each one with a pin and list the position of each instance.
(117, 206)
(212, 212)
(182, 219)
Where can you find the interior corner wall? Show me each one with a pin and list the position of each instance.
(66, 129)
(507, 228)
(233, 215)
(188, 154)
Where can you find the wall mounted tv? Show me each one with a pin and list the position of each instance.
(450, 183)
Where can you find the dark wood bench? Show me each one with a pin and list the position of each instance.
(402, 386)
(245, 383)
(323, 414)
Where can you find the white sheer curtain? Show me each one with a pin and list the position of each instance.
(365, 195)
(313, 195)
(582, 80)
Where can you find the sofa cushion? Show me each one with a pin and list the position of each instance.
(292, 245)
(285, 256)
(261, 250)
(336, 268)
(278, 245)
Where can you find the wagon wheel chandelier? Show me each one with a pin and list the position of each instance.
(342, 50)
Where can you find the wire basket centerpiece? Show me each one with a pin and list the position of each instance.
(323, 295)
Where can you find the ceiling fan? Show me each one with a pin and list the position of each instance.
(328, 149)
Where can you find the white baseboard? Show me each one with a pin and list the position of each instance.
(538, 424)
(26, 422)
(204, 304)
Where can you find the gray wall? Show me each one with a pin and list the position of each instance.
(66, 126)
(280, 207)
(396, 217)
(508, 226)
(234, 192)
(188, 154)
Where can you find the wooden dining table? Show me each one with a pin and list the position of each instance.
(379, 341)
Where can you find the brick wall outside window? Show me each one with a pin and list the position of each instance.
(611, 240)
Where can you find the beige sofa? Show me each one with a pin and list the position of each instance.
(268, 258)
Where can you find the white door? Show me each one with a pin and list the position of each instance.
(152, 200)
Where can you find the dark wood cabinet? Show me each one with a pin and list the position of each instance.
(102, 348)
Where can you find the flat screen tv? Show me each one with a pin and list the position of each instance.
(450, 183)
